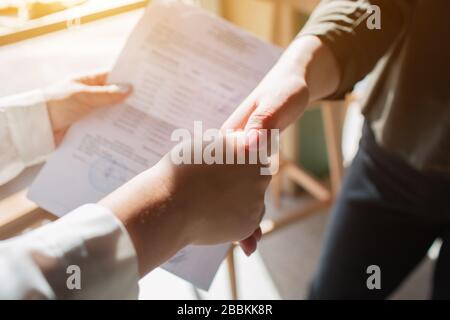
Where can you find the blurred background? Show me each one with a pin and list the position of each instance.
(42, 41)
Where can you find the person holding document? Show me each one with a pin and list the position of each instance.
(128, 233)
(394, 199)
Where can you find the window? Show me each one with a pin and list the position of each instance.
(22, 19)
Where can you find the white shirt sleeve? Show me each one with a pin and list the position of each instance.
(26, 136)
(87, 254)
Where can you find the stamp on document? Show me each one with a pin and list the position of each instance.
(107, 174)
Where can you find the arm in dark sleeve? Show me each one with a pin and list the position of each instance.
(342, 26)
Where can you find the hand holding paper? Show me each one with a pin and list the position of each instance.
(71, 100)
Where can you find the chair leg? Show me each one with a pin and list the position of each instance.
(331, 128)
(232, 274)
(307, 181)
(276, 186)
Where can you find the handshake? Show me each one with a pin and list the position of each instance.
(172, 205)
(177, 202)
(175, 205)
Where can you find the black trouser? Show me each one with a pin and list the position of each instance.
(387, 214)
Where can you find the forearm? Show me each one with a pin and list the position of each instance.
(156, 228)
(315, 62)
(347, 28)
(310, 61)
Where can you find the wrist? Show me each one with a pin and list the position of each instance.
(294, 68)
(315, 61)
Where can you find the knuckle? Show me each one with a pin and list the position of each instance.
(263, 119)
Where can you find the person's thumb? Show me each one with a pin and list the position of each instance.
(99, 96)
(115, 88)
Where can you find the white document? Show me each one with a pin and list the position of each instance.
(185, 65)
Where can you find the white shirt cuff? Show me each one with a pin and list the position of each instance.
(30, 125)
(92, 240)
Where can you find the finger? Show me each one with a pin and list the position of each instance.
(263, 212)
(258, 234)
(258, 139)
(263, 117)
(59, 136)
(253, 138)
(98, 79)
(239, 117)
(249, 245)
(100, 96)
(110, 88)
(277, 112)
